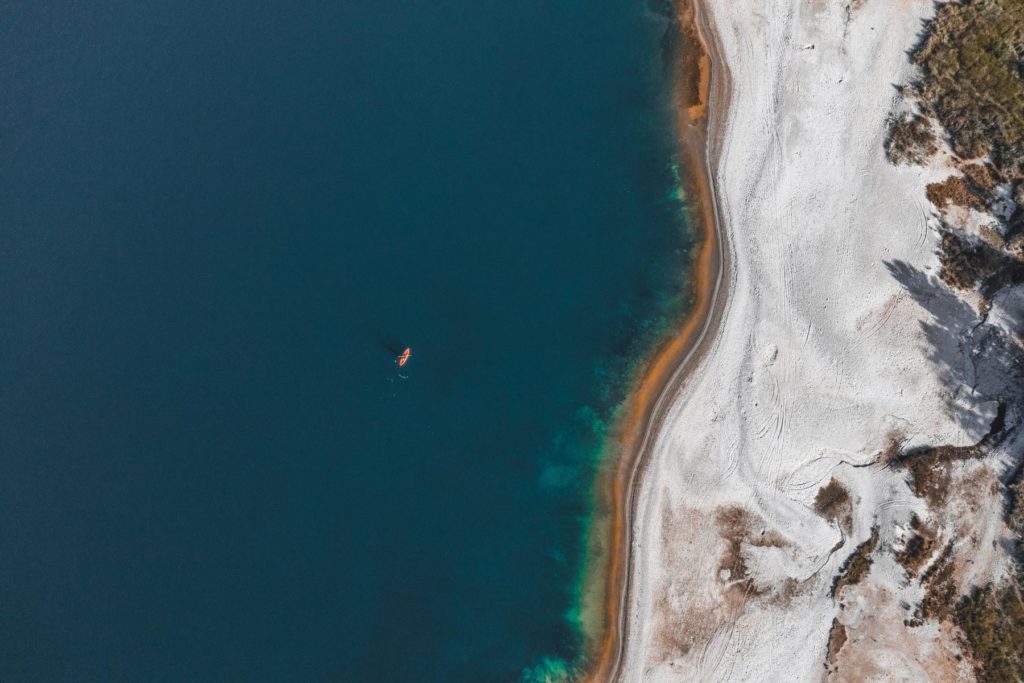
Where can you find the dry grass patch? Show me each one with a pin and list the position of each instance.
(910, 140)
(940, 594)
(992, 620)
(954, 190)
(929, 470)
(836, 639)
(983, 177)
(972, 190)
(833, 502)
(968, 263)
(918, 547)
(972, 65)
(992, 617)
(738, 526)
(893, 450)
(857, 565)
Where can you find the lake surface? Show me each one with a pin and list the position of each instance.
(219, 223)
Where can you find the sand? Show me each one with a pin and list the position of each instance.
(824, 354)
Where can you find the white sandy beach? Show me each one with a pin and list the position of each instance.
(833, 343)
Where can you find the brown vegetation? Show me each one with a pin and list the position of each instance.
(968, 263)
(893, 450)
(685, 619)
(833, 502)
(992, 617)
(1015, 246)
(910, 140)
(973, 79)
(957, 191)
(963, 261)
(983, 178)
(918, 547)
(836, 639)
(992, 620)
(929, 469)
(857, 565)
(734, 524)
(1015, 509)
(972, 86)
(940, 590)
(737, 526)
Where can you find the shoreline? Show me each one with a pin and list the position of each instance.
(698, 122)
(768, 539)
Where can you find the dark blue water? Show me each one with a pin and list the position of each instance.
(219, 222)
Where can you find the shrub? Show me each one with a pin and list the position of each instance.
(972, 65)
(992, 620)
(857, 565)
(967, 262)
(832, 501)
(910, 140)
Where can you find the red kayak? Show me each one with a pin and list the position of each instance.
(404, 358)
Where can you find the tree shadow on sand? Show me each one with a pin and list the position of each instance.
(978, 362)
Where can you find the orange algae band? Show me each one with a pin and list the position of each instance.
(693, 71)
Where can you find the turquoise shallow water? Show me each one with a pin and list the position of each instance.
(221, 221)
